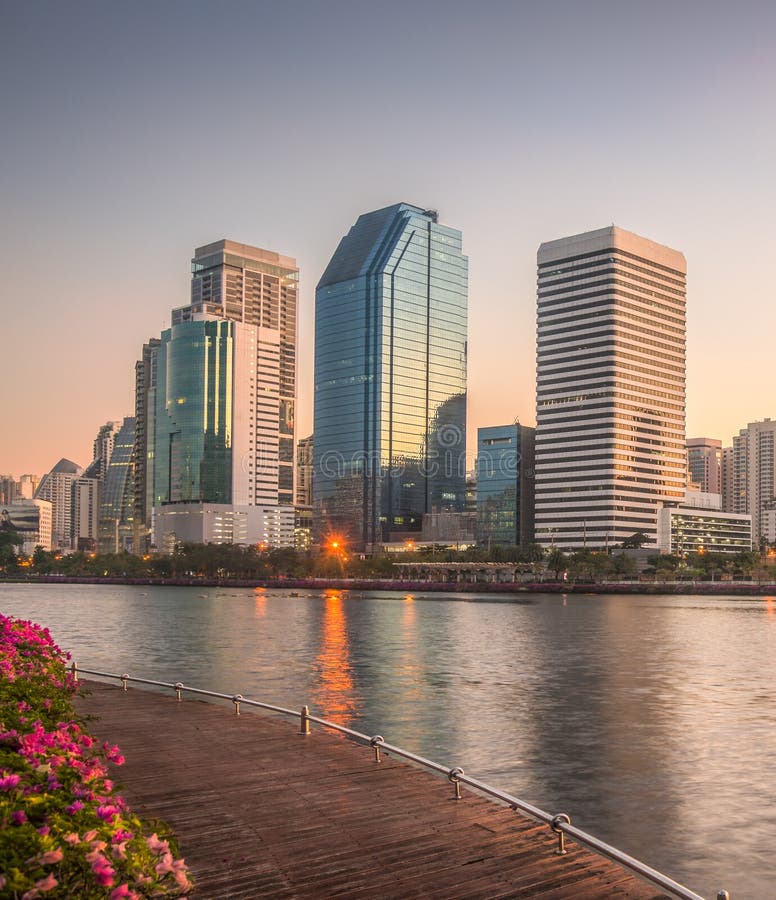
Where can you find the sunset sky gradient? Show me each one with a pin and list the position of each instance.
(133, 133)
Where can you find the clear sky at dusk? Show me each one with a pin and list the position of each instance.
(132, 133)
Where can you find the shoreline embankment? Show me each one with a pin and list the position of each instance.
(705, 588)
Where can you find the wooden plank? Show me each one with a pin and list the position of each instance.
(262, 811)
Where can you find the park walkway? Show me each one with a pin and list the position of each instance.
(263, 811)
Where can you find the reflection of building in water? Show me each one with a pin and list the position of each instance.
(333, 695)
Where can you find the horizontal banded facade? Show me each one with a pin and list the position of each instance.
(610, 418)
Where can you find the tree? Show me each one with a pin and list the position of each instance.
(9, 540)
(635, 542)
(622, 564)
(556, 561)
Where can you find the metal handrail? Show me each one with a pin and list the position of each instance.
(560, 823)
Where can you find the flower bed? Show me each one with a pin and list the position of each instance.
(64, 830)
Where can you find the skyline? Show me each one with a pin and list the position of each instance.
(124, 153)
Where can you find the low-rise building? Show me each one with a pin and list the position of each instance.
(690, 529)
(31, 520)
(222, 523)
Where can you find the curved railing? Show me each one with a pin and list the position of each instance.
(559, 823)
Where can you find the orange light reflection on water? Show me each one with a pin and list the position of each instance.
(770, 607)
(259, 602)
(334, 694)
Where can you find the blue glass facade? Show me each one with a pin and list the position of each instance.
(390, 376)
(116, 508)
(505, 485)
(193, 422)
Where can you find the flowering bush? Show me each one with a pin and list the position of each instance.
(64, 831)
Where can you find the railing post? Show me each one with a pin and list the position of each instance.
(375, 742)
(74, 671)
(304, 720)
(124, 679)
(723, 895)
(236, 700)
(555, 826)
(178, 689)
(454, 775)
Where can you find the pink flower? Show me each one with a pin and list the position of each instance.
(157, 845)
(104, 876)
(90, 835)
(46, 884)
(72, 838)
(182, 880)
(8, 782)
(19, 817)
(52, 856)
(107, 811)
(121, 891)
(74, 807)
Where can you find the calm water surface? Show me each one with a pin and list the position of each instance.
(650, 720)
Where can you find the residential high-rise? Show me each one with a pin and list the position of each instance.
(505, 485)
(752, 476)
(727, 479)
(704, 456)
(86, 496)
(390, 377)
(57, 487)
(257, 287)
(610, 442)
(304, 472)
(303, 526)
(142, 454)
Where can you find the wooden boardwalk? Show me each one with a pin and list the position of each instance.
(262, 811)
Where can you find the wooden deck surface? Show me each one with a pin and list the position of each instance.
(262, 811)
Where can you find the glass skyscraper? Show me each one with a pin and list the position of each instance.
(390, 376)
(194, 408)
(115, 530)
(505, 488)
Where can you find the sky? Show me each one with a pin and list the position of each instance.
(134, 132)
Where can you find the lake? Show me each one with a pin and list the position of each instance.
(650, 720)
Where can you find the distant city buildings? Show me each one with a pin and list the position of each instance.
(505, 485)
(704, 459)
(116, 514)
(12, 490)
(750, 476)
(210, 454)
(57, 488)
(610, 442)
(390, 377)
